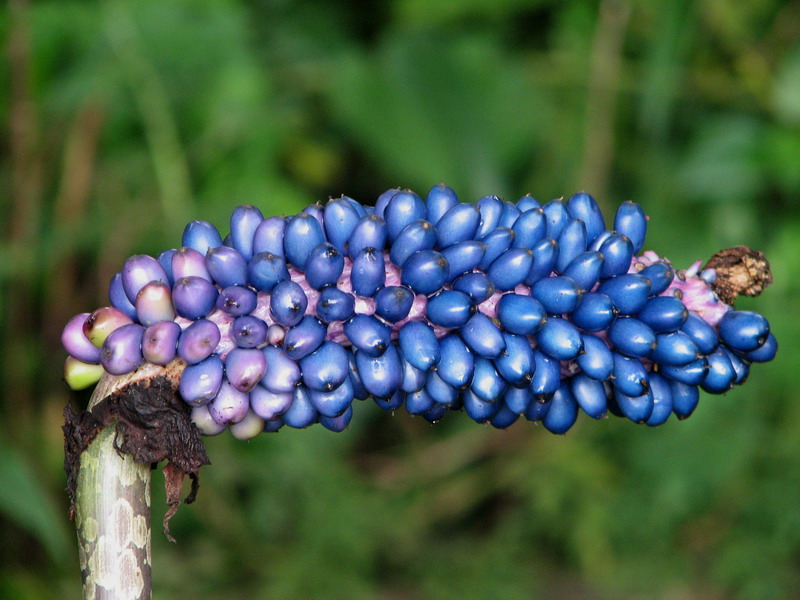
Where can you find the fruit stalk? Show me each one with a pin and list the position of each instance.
(111, 471)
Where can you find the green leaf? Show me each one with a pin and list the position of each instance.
(24, 501)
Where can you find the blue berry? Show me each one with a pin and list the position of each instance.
(509, 215)
(326, 368)
(674, 348)
(449, 308)
(743, 330)
(368, 334)
(537, 410)
(332, 403)
(288, 303)
(305, 337)
(518, 399)
(226, 266)
(662, 400)
(559, 339)
(269, 405)
(720, 375)
(520, 314)
(237, 301)
(418, 403)
(503, 416)
(303, 233)
(586, 269)
(441, 391)
(590, 395)
(457, 364)
(487, 383)
(244, 222)
(528, 202)
(515, 364)
(335, 305)
(740, 367)
(458, 224)
(370, 232)
(338, 423)
(597, 360)
(684, 398)
(268, 236)
(418, 235)
(663, 314)
(244, 368)
(477, 286)
(628, 292)
(482, 336)
(301, 413)
(368, 272)
(702, 334)
(584, 207)
(324, 266)
(511, 268)
(249, 331)
(630, 377)
(660, 275)
(637, 408)
(425, 271)
(403, 208)
(693, 373)
(282, 374)
(463, 257)
(557, 217)
(382, 202)
(631, 221)
(413, 379)
(618, 252)
(571, 243)
(491, 208)
(419, 345)
(632, 337)
(381, 375)
(529, 228)
(198, 341)
(546, 374)
(558, 295)
(359, 391)
(194, 297)
(545, 258)
(118, 297)
(393, 303)
(202, 236)
(477, 409)
(138, 271)
(595, 312)
(341, 219)
(563, 411)
(497, 241)
(265, 270)
(440, 199)
(200, 382)
(165, 260)
(766, 352)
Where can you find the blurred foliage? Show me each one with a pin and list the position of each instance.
(121, 120)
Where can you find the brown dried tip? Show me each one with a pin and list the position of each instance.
(153, 425)
(739, 271)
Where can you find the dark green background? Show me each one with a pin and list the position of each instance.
(122, 120)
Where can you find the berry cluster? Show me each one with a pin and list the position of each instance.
(498, 308)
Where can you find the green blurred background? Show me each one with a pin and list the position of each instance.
(123, 120)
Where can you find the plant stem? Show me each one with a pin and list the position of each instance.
(112, 500)
(113, 522)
